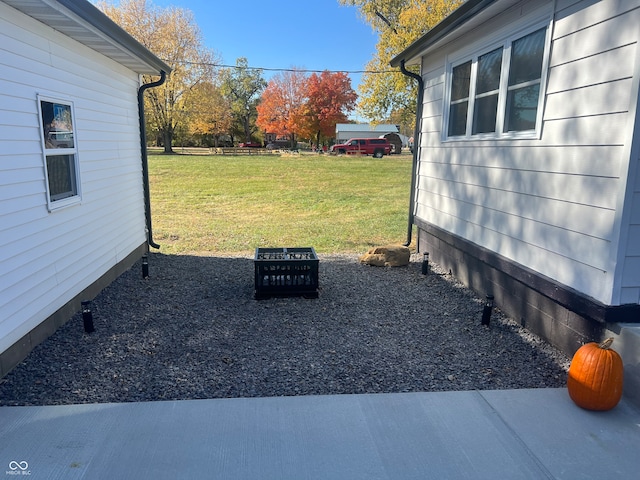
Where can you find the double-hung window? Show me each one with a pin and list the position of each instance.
(60, 152)
(496, 93)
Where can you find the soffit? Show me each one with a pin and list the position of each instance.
(81, 21)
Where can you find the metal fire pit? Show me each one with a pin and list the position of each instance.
(286, 272)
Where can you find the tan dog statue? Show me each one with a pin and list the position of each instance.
(387, 256)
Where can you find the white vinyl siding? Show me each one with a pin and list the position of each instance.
(47, 258)
(551, 203)
(630, 281)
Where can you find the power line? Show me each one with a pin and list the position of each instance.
(268, 69)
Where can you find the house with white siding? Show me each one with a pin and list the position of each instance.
(526, 182)
(73, 192)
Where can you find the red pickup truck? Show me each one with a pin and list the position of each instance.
(364, 146)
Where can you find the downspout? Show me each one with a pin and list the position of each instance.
(416, 147)
(143, 149)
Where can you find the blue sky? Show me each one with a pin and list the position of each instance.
(308, 34)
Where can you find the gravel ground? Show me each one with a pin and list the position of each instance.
(193, 330)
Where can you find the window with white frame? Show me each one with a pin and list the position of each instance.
(60, 152)
(496, 93)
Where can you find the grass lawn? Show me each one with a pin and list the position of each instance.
(233, 204)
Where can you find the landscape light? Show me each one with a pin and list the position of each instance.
(87, 316)
(486, 312)
(145, 267)
(425, 263)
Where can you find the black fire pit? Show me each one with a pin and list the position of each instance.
(285, 272)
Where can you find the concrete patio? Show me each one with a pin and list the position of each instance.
(510, 434)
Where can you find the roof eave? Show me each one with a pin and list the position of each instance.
(458, 17)
(85, 23)
(92, 15)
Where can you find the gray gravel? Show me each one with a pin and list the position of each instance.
(193, 330)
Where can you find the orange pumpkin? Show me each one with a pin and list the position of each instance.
(595, 376)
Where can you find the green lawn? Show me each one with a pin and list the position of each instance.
(233, 204)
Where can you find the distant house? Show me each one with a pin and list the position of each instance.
(527, 182)
(72, 187)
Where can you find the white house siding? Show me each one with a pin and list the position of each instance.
(551, 204)
(630, 289)
(48, 258)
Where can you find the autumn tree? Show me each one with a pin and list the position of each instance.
(398, 24)
(282, 107)
(210, 114)
(242, 87)
(329, 99)
(173, 36)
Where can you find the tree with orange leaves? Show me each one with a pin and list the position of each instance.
(329, 99)
(281, 110)
(306, 107)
